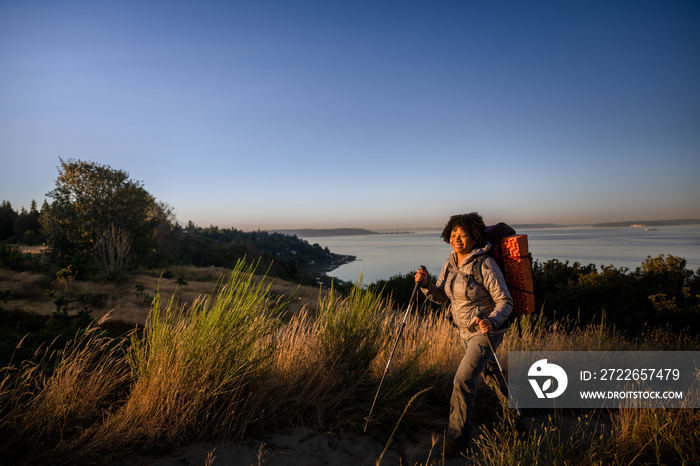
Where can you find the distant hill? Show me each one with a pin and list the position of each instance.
(312, 232)
(530, 226)
(649, 223)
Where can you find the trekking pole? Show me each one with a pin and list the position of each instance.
(500, 367)
(396, 343)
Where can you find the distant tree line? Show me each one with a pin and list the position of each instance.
(21, 227)
(101, 222)
(284, 255)
(661, 293)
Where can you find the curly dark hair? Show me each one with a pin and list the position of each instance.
(471, 223)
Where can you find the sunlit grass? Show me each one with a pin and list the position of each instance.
(48, 404)
(227, 367)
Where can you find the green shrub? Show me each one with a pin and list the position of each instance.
(351, 330)
(189, 361)
(660, 293)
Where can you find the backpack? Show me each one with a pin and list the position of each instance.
(510, 251)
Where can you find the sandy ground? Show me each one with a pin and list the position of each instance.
(302, 447)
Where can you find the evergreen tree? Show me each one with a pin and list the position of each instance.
(27, 227)
(7, 220)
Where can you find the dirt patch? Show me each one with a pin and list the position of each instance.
(302, 447)
(131, 301)
(31, 249)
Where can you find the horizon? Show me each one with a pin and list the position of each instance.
(383, 116)
(532, 225)
(404, 227)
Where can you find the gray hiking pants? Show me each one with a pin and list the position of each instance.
(477, 360)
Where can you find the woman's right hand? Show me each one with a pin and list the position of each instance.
(422, 276)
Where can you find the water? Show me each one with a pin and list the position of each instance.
(383, 256)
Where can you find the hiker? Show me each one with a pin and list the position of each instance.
(466, 234)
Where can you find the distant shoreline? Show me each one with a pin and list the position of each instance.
(530, 226)
(326, 232)
(322, 232)
(649, 223)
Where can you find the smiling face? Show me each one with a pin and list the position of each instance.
(461, 243)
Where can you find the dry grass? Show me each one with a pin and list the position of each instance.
(131, 301)
(50, 403)
(222, 364)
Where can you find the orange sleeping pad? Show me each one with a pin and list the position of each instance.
(518, 273)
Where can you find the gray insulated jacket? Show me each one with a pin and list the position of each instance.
(467, 297)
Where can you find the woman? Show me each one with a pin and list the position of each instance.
(476, 310)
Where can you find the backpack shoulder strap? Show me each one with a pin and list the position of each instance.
(477, 272)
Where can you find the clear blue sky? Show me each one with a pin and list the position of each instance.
(376, 114)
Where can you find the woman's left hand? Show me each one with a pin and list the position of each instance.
(485, 325)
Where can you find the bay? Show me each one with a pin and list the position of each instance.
(382, 256)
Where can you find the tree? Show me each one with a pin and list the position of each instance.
(7, 220)
(27, 228)
(94, 204)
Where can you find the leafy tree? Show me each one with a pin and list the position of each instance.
(92, 206)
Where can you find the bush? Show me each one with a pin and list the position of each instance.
(659, 293)
(13, 258)
(399, 288)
